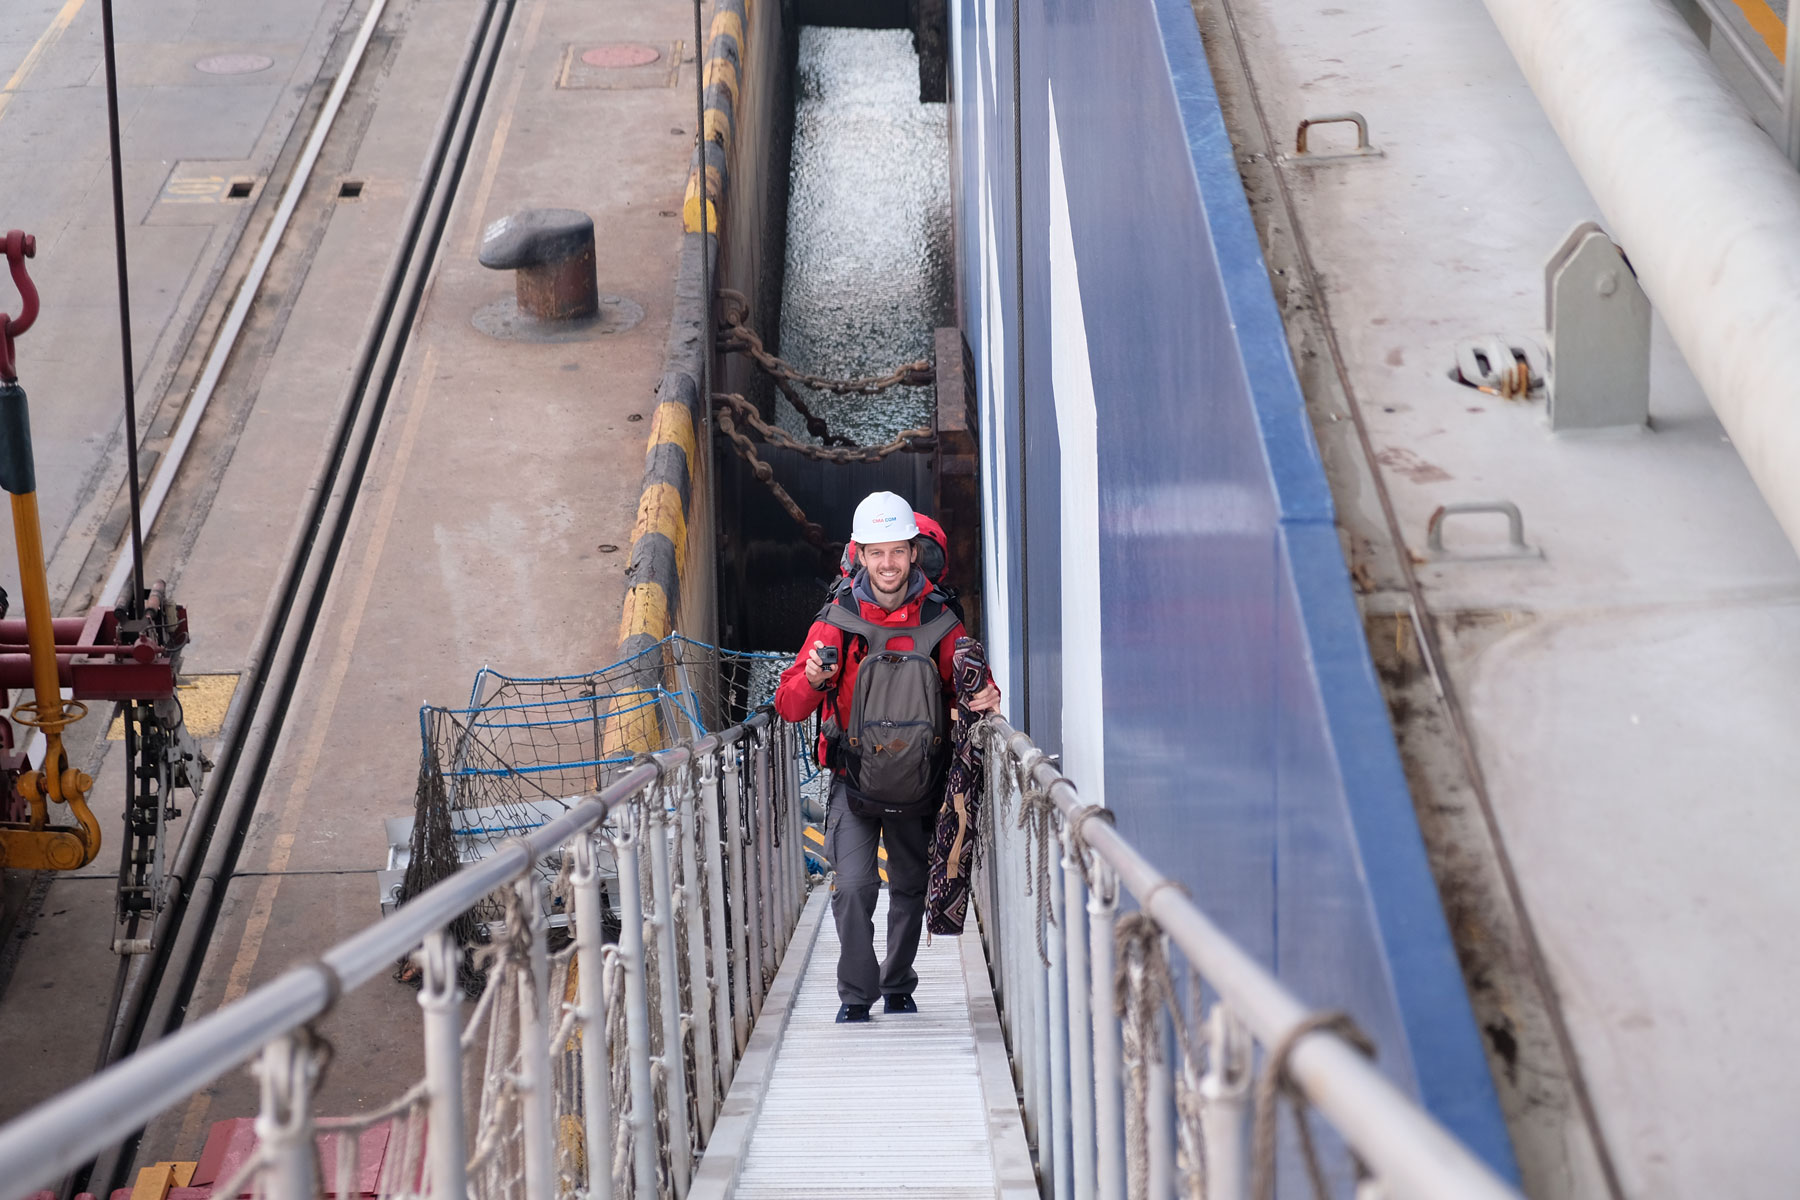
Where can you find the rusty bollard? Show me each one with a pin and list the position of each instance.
(551, 251)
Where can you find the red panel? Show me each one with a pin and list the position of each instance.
(228, 1144)
(231, 1143)
(123, 680)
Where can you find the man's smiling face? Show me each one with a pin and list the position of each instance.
(889, 565)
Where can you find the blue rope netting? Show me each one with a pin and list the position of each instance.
(537, 725)
(513, 756)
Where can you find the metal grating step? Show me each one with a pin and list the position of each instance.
(891, 1108)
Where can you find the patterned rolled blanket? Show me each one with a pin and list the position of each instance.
(953, 841)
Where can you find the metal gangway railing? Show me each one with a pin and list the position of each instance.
(1148, 1048)
(602, 1065)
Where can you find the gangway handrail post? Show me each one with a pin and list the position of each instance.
(1225, 1115)
(752, 894)
(1039, 973)
(1056, 1032)
(1011, 942)
(284, 1128)
(642, 1117)
(706, 813)
(1109, 1109)
(765, 891)
(732, 777)
(1007, 940)
(778, 880)
(781, 768)
(440, 998)
(1410, 1155)
(793, 864)
(596, 1054)
(662, 924)
(533, 983)
(694, 905)
(796, 826)
(1079, 1022)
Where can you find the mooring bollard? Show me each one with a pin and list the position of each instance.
(551, 252)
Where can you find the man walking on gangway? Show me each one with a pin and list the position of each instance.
(881, 652)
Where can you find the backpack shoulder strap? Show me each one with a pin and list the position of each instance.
(875, 635)
(929, 633)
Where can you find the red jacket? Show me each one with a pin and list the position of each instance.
(796, 699)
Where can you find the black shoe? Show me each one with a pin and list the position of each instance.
(901, 1003)
(849, 1014)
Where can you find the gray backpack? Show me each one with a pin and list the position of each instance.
(894, 749)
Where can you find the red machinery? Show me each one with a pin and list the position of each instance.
(126, 655)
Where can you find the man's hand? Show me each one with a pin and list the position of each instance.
(819, 674)
(986, 700)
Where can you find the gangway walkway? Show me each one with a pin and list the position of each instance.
(698, 1051)
(920, 1104)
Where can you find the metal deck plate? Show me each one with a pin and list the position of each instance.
(893, 1107)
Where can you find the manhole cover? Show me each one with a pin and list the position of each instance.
(234, 64)
(621, 54)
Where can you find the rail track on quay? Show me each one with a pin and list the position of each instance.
(153, 989)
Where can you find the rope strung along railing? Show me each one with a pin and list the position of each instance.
(1136, 1085)
(591, 1067)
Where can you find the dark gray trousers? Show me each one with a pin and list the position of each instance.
(850, 843)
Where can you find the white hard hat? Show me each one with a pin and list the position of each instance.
(883, 517)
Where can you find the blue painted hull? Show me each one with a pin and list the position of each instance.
(1155, 494)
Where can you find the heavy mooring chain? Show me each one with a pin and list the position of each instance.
(1275, 1083)
(729, 407)
(815, 424)
(918, 438)
(736, 336)
(810, 529)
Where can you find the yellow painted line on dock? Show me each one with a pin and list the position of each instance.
(64, 18)
(1768, 26)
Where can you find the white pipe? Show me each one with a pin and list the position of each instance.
(1703, 202)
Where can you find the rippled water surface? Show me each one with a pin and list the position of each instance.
(868, 243)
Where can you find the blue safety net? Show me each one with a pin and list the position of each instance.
(525, 746)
